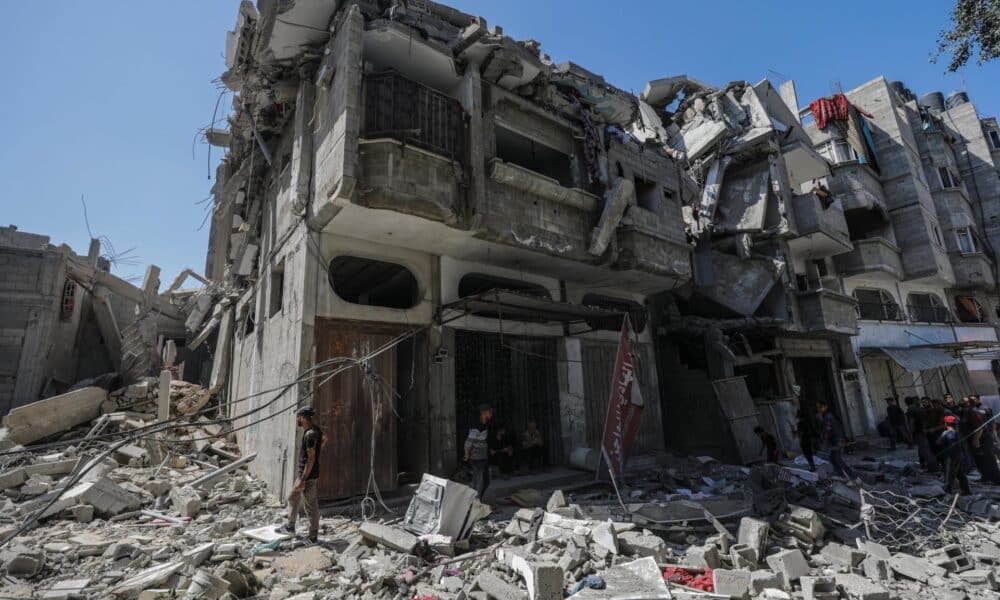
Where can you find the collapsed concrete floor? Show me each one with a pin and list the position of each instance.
(121, 505)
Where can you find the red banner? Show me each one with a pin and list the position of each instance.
(625, 407)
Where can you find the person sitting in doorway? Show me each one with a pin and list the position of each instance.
(769, 445)
(502, 451)
(532, 448)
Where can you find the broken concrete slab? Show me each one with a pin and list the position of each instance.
(819, 588)
(636, 579)
(57, 414)
(391, 537)
(734, 583)
(107, 497)
(860, 588)
(915, 568)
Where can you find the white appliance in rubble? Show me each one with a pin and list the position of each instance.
(441, 506)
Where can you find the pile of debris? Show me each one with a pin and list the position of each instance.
(101, 502)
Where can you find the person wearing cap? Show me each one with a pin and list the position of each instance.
(950, 443)
(477, 450)
(304, 491)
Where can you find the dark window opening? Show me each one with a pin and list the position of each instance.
(969, 310)
(247, 319)
(477, 283)
(927, 308)
(373, 282)
(277, 291)
(635, 311)
(865, 223)
(877, 305)
(402, 109)
(802, 282)
(668, 194)
(525, 152)
(948, 179)
(995, 139)
(646, 195)
(821, 267)
(68, 301)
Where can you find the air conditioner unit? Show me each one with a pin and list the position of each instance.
(444, 507)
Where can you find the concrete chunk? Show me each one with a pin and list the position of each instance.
(185, 500)
(107, 497)
(13, 478)
(732, 582)
(860, 588)
(498, 588)
(819, 588)
(390, 537)
(876, 568)
(556, 500)
(703, 556)
(915, 568)
(753, 533)
(842, 555)
(635, 543)
(765, 579)
(790, 563)
(57, 414)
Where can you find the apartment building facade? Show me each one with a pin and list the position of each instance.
(919, 199)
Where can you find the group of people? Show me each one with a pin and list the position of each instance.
(815, 430)
(489, 445)
(953, 437)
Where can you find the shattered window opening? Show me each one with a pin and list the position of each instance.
(969, 310)
(968, 243)
(646, 194)
(636, 313)
(371, 282)
(68, 301)
(877, 305)
(927, 308)
(277, 289)
(947, 178)
(514, 148)
(995, 139)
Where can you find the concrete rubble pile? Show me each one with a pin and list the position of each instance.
(173, 512)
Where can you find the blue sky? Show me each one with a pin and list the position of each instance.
(103, 99)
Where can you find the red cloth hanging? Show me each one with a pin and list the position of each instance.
(835, 108)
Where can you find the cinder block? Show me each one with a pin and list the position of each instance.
(819, 588)
(766, 579)
(859, 588)
(732, 582)
(952, 558)
(842, 555)
(790, 563)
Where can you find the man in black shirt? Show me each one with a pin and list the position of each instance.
(304, 490)
(950, 442)
(896, 419)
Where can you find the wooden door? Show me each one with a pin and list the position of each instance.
(354, 415)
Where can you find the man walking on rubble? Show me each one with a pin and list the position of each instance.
(477, 451)
(950, 443)
(304, 490)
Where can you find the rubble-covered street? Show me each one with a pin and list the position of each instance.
(121, 505)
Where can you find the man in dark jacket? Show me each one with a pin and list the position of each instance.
(950, 443)
(915, 420)
(836, 441)
(896, 419)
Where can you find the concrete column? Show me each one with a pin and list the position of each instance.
(572, 410)
(163, 403)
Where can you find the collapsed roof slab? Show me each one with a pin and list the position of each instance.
(389, 45)
(302, 23)
(747, 282)
(660, 92)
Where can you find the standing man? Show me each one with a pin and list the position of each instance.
(977, 432)
(897, 423)
(477, 451)
(304, 490)
(769, 445)
(915, 420)
(805, 429)
(836, 440)
(950, 443)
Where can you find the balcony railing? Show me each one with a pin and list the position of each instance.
(398, 108)
(879, 311)
(929, 314)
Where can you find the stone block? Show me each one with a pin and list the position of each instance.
(915, 568)
(703, 556)
(753, 533)
(635, 543)
(842, 555)
(107, 497)
(790, 563)
(25, 565)
(498, 588)
(951, 558)
(859, 588)
(876, 568)
(32, 422)
(819, 588)
(732, 582)
(185, 500)
(765, 579)
(390, 537)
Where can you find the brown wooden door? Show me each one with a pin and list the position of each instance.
(344, 409)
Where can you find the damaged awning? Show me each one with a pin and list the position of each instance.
(921, 358)
(505, 304)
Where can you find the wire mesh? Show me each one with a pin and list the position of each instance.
(909, 524)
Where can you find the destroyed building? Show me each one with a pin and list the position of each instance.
(919, 186)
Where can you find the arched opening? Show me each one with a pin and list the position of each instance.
(634, 310)
(373, 282)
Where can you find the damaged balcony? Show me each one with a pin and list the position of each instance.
(653, 243)
(822, 229)
(827, 311)
(973, 270)
(412, 149)
(873, 255)
(856, 186)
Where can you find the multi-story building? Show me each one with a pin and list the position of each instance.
(918, 196)
(408, 186)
